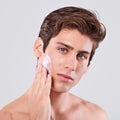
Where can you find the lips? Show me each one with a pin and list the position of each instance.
(65, 78)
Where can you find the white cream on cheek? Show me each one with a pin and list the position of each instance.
(46, 62)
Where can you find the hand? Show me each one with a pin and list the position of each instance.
(39, 95)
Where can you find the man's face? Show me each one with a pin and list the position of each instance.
(69, 52)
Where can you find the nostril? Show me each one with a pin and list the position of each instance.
(71, 65)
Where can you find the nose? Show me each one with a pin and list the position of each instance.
(71, 63)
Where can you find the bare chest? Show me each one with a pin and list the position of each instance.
(68, 116)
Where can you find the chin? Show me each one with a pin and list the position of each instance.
(60, 89)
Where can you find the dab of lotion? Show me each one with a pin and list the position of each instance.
(46, 62)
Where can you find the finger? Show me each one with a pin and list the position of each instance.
(43, 76)
(48, 84)
(38, 73)
(40, 80)
(36, 82)
(41, 72)
(48, 81)
(40, 60)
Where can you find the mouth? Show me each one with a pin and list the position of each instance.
(65, 78)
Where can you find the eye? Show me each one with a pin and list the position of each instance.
(63, 50)
(81, 56)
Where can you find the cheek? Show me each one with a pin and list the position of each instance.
(82, 67)
(56, 60)
(78, 77)
(81, 71)
(55, 63)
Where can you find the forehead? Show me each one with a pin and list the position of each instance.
(73, 38)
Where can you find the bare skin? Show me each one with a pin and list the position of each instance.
(48, 97)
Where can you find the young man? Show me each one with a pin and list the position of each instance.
(68, 37)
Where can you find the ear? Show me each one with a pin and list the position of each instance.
(38, 47)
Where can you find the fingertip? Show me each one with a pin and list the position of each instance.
(49, 80)
(38, 66)
(49, 76)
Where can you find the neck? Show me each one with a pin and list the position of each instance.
(58, 100)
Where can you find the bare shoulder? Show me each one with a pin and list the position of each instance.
(16, 109)
(18, 104)
(4, 115)
(87, 110)
(95, 111)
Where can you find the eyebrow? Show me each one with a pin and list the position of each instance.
(81, 51)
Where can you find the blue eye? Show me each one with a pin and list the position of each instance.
(63, 50)
(81, 56)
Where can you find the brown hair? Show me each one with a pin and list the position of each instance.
(73, 18)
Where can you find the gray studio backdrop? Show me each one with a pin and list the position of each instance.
(19, 27)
